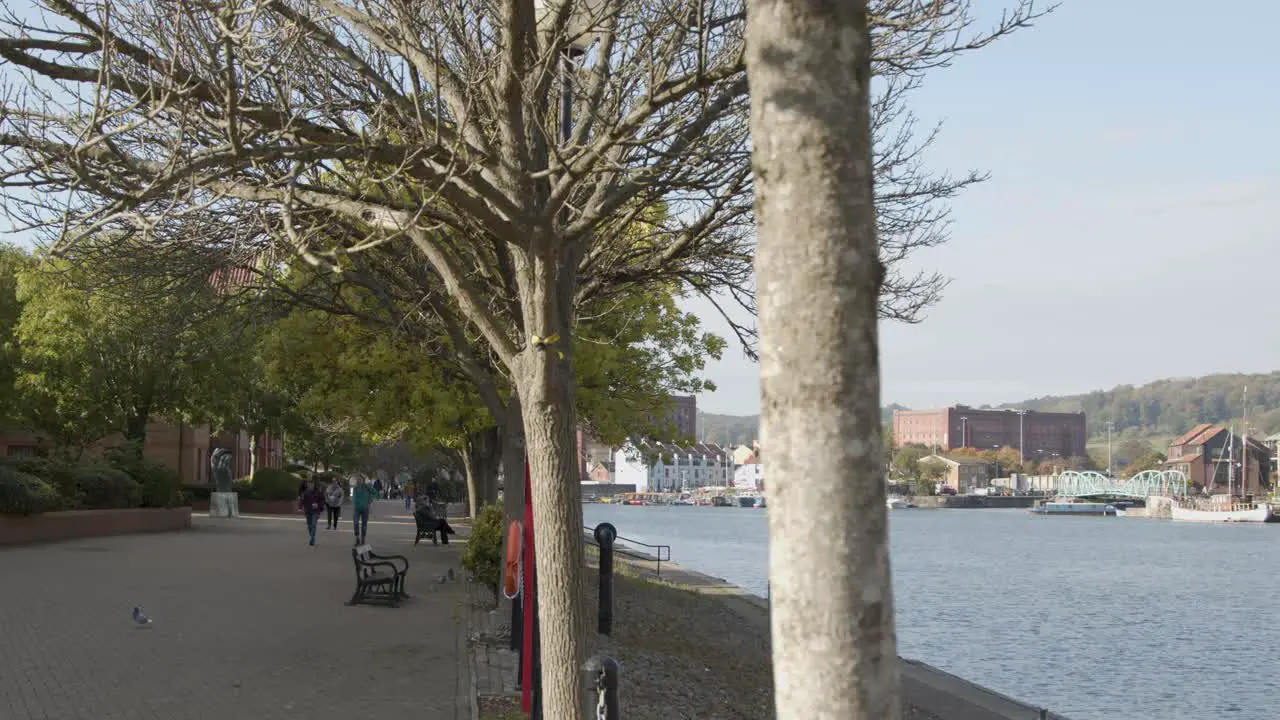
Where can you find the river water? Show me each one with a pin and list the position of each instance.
(1094, 618)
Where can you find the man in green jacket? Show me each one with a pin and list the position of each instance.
(362, 498)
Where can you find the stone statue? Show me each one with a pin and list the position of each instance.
(220, 467)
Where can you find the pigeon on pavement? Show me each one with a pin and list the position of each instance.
(140, 617)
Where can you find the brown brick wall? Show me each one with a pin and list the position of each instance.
(50, 527)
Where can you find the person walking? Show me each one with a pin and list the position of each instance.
(312, 504)
(334, 496)
(408, 495)
(362, 500)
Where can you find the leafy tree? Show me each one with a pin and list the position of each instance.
(931, 473)
(906, 461)
(111, 359)
(12, 261)
(1008, 459)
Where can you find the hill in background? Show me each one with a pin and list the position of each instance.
(1156, 411)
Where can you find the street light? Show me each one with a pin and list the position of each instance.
(579, 36)
(1109, 426)
(1022, 414)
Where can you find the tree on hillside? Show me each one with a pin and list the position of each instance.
(94, 362)
(436, 126)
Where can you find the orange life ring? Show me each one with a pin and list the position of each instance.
(513, 567)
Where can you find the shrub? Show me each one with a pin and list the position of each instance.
(242, 487)
(58, 474)
(24, 494)
(160, 487)
(273, 484)
(102, 487)
(482, 557)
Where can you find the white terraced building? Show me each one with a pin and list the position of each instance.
(667, 467)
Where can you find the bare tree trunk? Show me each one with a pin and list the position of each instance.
(469, 470)
(546, 391)
(485, 448)
(818, 276)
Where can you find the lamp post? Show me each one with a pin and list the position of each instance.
(1022, 414)
(1109, 426)
(964, 432)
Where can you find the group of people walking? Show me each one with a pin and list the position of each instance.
(313, 501)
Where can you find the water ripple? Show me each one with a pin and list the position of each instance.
(1095, 618)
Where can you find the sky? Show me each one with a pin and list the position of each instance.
(1124, 234)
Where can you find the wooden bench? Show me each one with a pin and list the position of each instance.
(431, 521)
(379, 578)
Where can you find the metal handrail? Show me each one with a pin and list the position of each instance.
(662, 552)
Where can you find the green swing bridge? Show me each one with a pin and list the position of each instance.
(1095, 485)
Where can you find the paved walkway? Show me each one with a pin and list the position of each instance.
(250, 622)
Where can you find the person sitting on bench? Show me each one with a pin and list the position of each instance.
(429, 524)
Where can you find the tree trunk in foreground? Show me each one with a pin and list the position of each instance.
(547, 398)
(818, 276)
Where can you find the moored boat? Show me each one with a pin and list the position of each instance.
(1072, 507)
(1222, 508)
(893, 502)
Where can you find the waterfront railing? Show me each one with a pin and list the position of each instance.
(625, 546)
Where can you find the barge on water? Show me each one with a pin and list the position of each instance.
(1070, 507)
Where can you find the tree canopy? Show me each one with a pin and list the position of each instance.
(94, 360)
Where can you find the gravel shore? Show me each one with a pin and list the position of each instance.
(690, 654)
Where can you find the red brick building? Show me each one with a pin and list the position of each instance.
(683, 416)
(183, 448)
(1039, 435)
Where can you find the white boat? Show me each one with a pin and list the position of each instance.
(1221, 508)
(896, 503)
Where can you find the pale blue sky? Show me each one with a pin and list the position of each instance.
(1133, 152)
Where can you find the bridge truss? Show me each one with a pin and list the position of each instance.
(1144, 484)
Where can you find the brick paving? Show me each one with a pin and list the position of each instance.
(250, 623)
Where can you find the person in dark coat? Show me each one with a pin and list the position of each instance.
(312, 504)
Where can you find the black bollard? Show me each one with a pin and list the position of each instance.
(605, 535)
(517, 635)
(606, 687)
